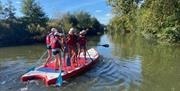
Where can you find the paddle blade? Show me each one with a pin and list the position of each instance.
(31, 69)
(105, 45)
(68, 61)
(59, 80)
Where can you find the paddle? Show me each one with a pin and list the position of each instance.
(59, 80)
(33, 67)
(104, 45)
(68, 61)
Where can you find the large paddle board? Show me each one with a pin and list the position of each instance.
(49, 75)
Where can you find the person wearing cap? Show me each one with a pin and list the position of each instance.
(56, 49)
(82, 43)
(72, 43)
(49, 38)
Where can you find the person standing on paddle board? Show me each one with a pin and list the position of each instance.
(72, 43)
(49, 38)
(56, 49)
(65, 48)
(82, 43)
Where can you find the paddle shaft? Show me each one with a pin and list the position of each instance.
(34, 66)
(59, 80)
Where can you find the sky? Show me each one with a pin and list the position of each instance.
(97, 8)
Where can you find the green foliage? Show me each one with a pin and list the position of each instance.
(68, 20)
(124, 20)
(33, 13)
(84, 19)
(9, 11)
(158, 18)
(1, 11)
(34, 18)
(80, 20)
(34, 24)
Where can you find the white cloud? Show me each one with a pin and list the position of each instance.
(18, 2)
(98, 11)
(109, 15)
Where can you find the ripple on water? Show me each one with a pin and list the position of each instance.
(10, 75)
(116, 74)
(109, 74)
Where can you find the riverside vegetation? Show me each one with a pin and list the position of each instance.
(35, 24)
(154, 19)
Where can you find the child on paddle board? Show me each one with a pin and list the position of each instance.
(56, 49)
(49, 38)
(65, 48)
(82, 43)
(72, 43)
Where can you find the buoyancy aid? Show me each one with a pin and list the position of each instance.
(71, 40)
(49, 38)
(82, 40)
(56, 43)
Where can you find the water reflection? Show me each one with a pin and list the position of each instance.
(160, 63)
(118, 71)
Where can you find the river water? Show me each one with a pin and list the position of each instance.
(131, 63)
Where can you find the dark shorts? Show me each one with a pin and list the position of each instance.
(54, 52)
(82, 47)
(65, 49)
(48, 47)
(76, 49)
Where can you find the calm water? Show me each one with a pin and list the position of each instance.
(129, 64)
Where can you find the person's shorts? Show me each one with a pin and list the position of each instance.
(65, 49)
(82, 47)
(48, 47)
(55, 51)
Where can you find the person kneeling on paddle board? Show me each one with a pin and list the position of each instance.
(82, 43)
(56, 50)
(49, 38)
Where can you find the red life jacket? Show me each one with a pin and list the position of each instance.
(48, 40)
(82, 40)
(71, 40)
(55, 43)
(49, 37)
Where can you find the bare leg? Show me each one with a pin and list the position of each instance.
(79, 51)
(49, 57)
(84, 50)
(60, 61)
(57, 60)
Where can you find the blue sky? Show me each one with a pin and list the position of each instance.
(97, 8)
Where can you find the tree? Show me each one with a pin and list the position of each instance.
(158, 18)
(95, 23)
(34, 18)
(68, 20)
(9, 11)
(1, 11)
(80, 20)
(83, 19)
(33, 13)
(121, 7)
